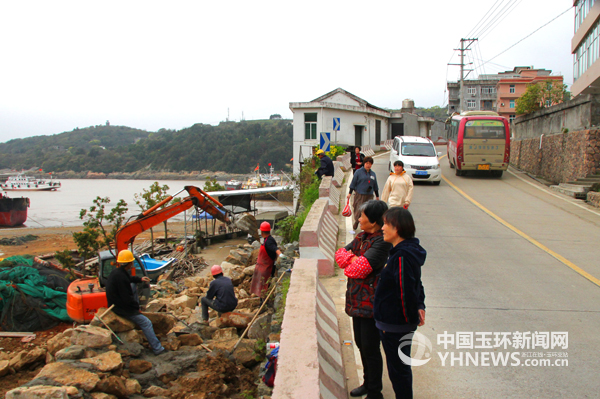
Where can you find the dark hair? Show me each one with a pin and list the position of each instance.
(399, 163)
(374, 210)
(357, 147)
(368, 159)
(400, 219)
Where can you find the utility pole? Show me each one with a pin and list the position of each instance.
(462, 50)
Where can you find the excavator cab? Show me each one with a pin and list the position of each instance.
(108, 263)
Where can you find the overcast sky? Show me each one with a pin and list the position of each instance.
(153, 65)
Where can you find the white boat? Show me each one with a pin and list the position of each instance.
(233, 185)
(27, 183)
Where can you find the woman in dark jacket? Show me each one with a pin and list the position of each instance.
(400, 298)
(362, 261)
(357, 159)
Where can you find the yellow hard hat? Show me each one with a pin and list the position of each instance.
(125, 256)
(320, 152)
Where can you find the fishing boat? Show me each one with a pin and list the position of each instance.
(155, 267)
(13, 211)
(27, 183)
(233, 184)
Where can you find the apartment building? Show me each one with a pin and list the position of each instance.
(584, 47)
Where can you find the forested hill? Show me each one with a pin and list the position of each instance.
(233, 147)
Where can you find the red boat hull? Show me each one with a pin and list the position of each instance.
(13, 211)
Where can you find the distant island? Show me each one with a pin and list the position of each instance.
(227, 150)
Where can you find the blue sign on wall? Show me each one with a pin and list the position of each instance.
(336, 124)
(325, 141)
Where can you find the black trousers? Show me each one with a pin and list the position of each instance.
(400, 373)
(367, 338)
(210, 303)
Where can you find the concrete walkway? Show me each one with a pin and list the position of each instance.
(336, 286)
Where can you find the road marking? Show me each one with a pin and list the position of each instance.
(558, 257)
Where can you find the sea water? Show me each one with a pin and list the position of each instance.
(62, 207)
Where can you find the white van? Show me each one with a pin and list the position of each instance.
(419, 157)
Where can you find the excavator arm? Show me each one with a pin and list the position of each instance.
(154, 216)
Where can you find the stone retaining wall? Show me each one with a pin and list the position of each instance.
(318, 236)
(559, 158)
(593, 197)
(310, 364)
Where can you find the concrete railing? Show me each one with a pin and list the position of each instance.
(338, 174)
(329, 191)
(345, 161)
(367, 150)
(318, 236)
(309, 364)
(387, 144)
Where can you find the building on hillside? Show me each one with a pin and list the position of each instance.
(360, 123)
(584, 47)
(496, 92)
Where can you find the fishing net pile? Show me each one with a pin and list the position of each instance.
(32, 297)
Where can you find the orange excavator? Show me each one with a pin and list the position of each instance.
(85, 296)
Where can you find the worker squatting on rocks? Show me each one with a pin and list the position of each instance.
(120, 294)
(220, 295)
(267, 255)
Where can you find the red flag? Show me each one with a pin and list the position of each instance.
(255, 169)
(40, 170)
(269, 163)
(291, 159)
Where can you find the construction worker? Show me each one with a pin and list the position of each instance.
(267, 255)
(120, 294)
(220, 295)
(326, 168)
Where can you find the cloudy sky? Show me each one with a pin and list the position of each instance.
(152, 65)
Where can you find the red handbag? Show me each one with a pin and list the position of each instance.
(347, 211)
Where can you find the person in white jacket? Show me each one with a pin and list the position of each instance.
(398, 190)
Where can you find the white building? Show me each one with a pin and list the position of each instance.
(360, 124)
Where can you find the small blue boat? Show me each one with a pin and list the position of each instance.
(155, 267)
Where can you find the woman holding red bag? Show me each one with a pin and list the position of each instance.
(362, 261)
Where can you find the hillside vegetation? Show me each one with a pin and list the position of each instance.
(233, 147)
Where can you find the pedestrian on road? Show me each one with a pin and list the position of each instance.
(398, 189)
(357, 159)
(326, 168)
(265, 264)
(365, 184)
(120, 293)
(400, 298)
(220, 295)
(362, 261)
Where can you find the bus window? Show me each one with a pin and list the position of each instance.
(484, 129)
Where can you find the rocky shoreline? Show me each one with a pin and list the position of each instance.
(151, 175)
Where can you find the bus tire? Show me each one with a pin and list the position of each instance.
(451, 164)
(458, 172)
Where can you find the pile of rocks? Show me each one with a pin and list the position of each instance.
(89, 361)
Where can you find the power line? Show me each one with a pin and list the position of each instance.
(497, 17)
(560, 15)
(482, 18)
(502, 19)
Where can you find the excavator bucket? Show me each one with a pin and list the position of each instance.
(248, 223)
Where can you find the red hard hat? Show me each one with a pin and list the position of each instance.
(265, 226)
(216, 269)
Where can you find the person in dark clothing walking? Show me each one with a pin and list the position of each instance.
(362, 261)
(365, 184)
(120, 293)
(326, 168)
(220, 295)
(400, 297)
(357, 159)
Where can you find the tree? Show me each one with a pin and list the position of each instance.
(212, 185)
(96, 233)
(149, 198)
(542, 95)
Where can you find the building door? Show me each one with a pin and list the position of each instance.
(358, 130)
(377, 132)
(397, 129)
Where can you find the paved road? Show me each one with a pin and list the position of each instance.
(486, 274)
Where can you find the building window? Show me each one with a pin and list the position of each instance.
(511, 104)
(377, 132)
(511, 88)
(471, 90)
(548, 103)
(511, 118)
(310, 126)
(488, 90)
(587, 53)
(471, 104)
